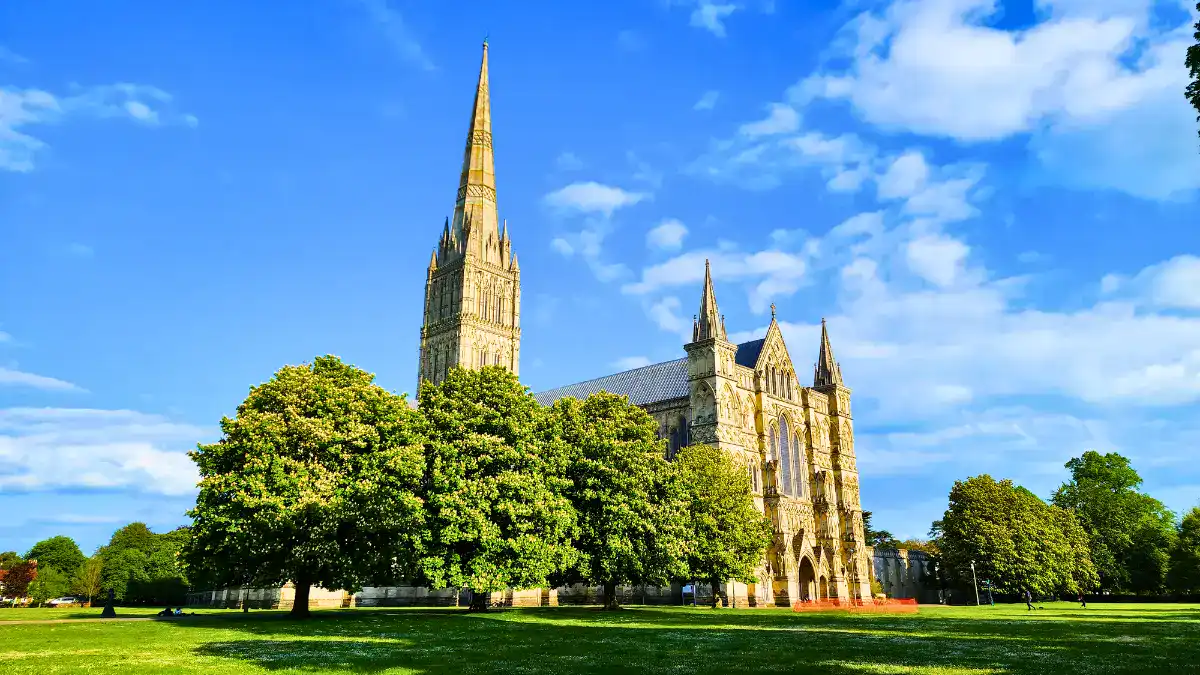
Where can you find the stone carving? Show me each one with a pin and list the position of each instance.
(481, 137)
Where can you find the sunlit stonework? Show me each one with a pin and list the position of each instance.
(795, 442)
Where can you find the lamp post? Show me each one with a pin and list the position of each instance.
(976, 582)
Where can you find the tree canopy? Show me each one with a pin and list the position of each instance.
(627, 498)
(60, 552)
(139, 566)
(1130, 533)
(312, 482)
(727, 534)
(1192, 62)
(494, 487)
(1015, 539)
(10, 558)
(1185, 557)
(50, 583)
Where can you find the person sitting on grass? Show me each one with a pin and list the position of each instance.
(166, 612)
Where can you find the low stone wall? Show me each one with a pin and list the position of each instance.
(268, 598)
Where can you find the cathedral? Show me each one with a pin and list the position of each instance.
(796, 443)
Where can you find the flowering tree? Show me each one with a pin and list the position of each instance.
(313, 482)
(493, 488)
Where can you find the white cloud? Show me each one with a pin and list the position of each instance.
(57, 448)
(708, 101)
(396, 31)
(1174, 283)
(666, 315)
(937, 259)
(21, 109)
(17, 378)
(907, 174)
(711, 16)
(630, 362)
(667, 235)
(772, 273)
(781, 119)
(1096, 84)
(592, 197)
(568, 161)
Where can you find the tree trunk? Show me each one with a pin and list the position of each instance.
(716, 594)
(610, 595)
(478, 601)
(300, 605)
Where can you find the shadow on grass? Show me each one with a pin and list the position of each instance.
(581, 640)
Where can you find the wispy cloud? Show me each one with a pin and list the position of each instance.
(17, 378)
(115, 449)
(708, 101)
(630, 362)
(21, 109)
(395, 29)
(9, 56)
(593, 197)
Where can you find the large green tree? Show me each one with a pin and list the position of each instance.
(1184, 574)
(1193, 64)
(141, 566)
(50, 583)
(627, 498)
(494, 487)
(727, 534)
(60, 552)
(1131, 533)
(87, 581)
(313, 482)
(10, 558)
(1015, 539)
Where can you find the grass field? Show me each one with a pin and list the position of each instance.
(1160, 639)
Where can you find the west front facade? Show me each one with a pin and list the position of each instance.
(795, 442)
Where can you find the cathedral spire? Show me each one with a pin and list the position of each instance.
(476, 199)
(710, 323)
(827, 371)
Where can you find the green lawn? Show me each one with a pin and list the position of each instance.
(1160, 639)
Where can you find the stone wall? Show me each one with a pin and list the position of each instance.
(268, 598)
(901, 572)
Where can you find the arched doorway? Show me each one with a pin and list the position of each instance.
(824, 588)
(808, 576)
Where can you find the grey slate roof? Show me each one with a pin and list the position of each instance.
(747, 353)
(643, 386)
(648, 384)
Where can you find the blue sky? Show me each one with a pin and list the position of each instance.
(995, 206)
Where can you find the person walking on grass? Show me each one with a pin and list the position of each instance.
(1028, 600)
(1082, 601)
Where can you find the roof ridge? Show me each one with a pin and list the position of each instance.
(604, 377)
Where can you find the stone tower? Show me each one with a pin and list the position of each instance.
(711, 374)
(842, 511)
(473, 287)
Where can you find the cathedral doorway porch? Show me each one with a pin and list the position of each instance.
(808, 576)
(824, 586)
